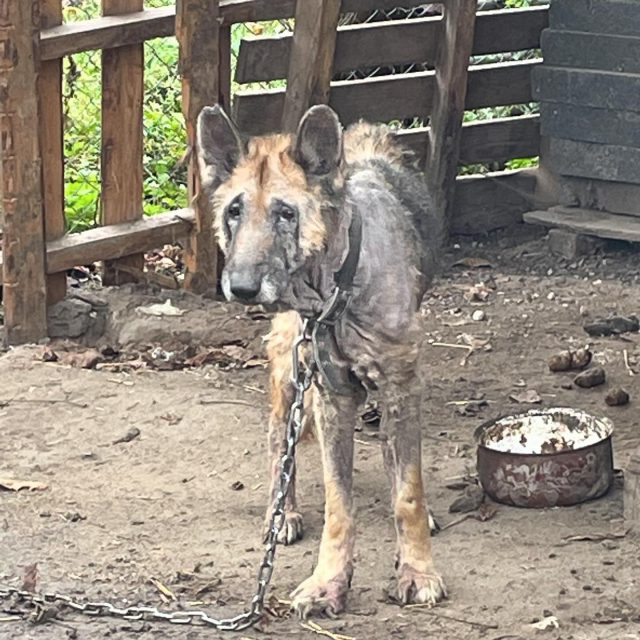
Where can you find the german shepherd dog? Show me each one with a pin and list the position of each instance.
(283, 207)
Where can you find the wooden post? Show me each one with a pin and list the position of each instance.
(51, 144)
(122, 98)
(24, 291)
(311, 61)
(448, 104)
(198, 32)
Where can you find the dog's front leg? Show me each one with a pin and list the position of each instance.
(418, 581)
(326, 590)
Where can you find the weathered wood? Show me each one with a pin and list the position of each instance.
(224, 68)
(122, 131)
(491, 201)
(117, 240)
(51, 146)
(590, 160)
(615, 197)
(586, 87)
(198, 31)
(393, 43)
(113, 242)
(448, 104)
(392, 97)
(485, 141)
(24, 289)
(588, 221)
(117, 31)
(591, 51)
(589, 124)
(311, 60)
(632, 495)
(107, 32)
(599, 16)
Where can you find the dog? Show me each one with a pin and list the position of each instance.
(290, 212)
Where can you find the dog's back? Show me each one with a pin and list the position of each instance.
(375, 148)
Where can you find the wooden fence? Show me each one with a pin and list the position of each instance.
(36, 251)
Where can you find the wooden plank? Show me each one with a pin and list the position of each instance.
(198, 31)
(590, 160)
(596, 16)
(138, 27)
(122, 131)
(491, 201)
(224, 68)
(487, 140)
(605, 90)
(311, 60)
(117, 240)
(615, 197)
(448, 104)
(51, 146)
(588, 124)
(394, 43)
(589, 222)
(107, 32)
(591, 51)
(114, 242)
(24, 289)
(392, 97)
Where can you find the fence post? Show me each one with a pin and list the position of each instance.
(198, 32)
(121, 158)
(24, 289)
(448, 105)
(311, 61)
(51, 144)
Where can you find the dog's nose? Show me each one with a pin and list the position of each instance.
(244, 285)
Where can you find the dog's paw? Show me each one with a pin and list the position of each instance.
(417, 587)
(314, 597)
(434, 525)
(291, 530)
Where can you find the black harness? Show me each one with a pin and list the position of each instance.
(338, 378)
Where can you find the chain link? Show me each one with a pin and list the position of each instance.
(302, 377)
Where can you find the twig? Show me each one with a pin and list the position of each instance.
(426, 608)
(10, 618)
(164, 590)
(244, 403)
(365, 442)
(453, 523)
(316, 628)
(6, 403)
(452, 346)
(592, 537)
(625, 355)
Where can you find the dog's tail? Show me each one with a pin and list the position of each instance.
(364, 141)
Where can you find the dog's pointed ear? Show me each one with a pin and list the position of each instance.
(219, 147)
(318, 148)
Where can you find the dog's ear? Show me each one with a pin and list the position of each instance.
(219, 147)
(318, 147)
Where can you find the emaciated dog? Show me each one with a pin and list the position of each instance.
(285, 207)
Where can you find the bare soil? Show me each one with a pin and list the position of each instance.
(183, 502)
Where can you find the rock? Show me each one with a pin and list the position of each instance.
(570, 360)
(581, 358)
(615, 325)
(69, 318)
(617, 397)
(470, 500)
(478, 315)
(590, 378)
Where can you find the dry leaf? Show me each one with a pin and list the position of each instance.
(550, 622)
(30, 580)
(11, 484)
(165, 309)
(84, 360)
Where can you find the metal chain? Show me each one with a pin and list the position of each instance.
(302, 377)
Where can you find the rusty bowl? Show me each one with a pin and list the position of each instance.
(545, 457)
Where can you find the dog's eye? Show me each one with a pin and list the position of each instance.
(285, 212)
(234, 210)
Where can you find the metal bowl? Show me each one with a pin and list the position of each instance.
(545, 457)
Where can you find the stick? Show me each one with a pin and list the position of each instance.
(244, 403)
(625, 355)
(316, 628)
(6, 403)
(425, 608)
(452, 346)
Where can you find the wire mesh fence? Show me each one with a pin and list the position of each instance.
(165, 172)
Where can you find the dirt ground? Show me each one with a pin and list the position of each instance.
(183, 502)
